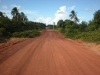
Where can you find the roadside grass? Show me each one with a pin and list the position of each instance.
(91, 36)
(26, 34)
(20, 35)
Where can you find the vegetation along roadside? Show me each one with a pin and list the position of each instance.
(19, 26)
(86, 31)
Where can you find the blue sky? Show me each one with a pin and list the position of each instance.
(49, 11)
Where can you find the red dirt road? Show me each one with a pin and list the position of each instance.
(49, 54)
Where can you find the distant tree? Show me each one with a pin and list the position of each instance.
(91, 25)
(68, 22)
(23, 17)
(60, 23)
(97, 18)
(15, 13)
(50, 26)
(2, 14)
(83, 26)
(73, 16)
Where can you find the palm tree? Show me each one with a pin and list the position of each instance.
(23, 17)
(73, 16)
(15, 13)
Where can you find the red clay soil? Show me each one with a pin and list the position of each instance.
(49, 54)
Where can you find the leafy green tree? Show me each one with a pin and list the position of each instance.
(2, 15)
(60, 23)
(73, 16)
(91, 26)
(23, 17)
(3, 32)
(15, 13)
(97, 18)
(68, 23)
(83, 26)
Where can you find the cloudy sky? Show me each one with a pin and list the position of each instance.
(49, 11)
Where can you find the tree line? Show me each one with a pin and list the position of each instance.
(18, 26)
(71, 28)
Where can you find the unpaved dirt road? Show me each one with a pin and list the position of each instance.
(48, 54)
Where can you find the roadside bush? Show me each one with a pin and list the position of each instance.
(26, 34)
(3, 32)
(92, 36)
(71, 33)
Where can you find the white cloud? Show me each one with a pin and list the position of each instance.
(48, 21)
(45, 20)
(14, 5)
(4, 7)
(61, 14)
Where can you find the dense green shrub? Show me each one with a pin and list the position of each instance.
(26, 34)
(92, 36)
(70, 33)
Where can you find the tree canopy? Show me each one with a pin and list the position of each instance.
(60, 23)
(18, 26)
(88, 31)
(97, 17)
